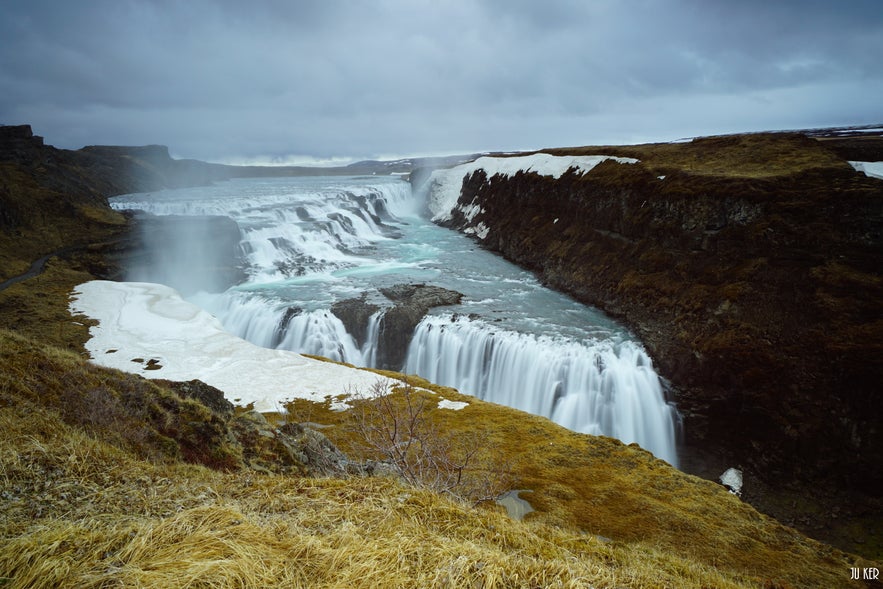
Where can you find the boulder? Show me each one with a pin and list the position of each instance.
(206, 394)
(291, 448)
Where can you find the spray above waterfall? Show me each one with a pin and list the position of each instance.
(307, 245)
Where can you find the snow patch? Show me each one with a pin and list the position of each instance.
(480, 230)
(153, 332)
(872, 169)
(452, 405)
(445, 185)
(732, 480)
(469, 211)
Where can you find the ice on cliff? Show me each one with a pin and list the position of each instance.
(444, 185)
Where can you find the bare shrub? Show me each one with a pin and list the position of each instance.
(99, 410)
(394, 425)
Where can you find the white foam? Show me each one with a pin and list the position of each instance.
(143, 321)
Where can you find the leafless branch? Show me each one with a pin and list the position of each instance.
(394, 426)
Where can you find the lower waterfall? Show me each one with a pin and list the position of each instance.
(606, 388)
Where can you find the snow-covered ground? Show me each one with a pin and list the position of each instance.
(872, 169)
(445, 185)
(148, 329)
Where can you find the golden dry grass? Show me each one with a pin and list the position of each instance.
(758, 155)
(79, 513)
(601, 487)
(38, 307)
(80, 509)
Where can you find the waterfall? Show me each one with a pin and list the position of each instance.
(372, 339)
(601, 389)
(285, 233)
(322, 334)
(308, 243)
(273, 324)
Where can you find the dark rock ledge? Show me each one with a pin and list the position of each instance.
(411, 302)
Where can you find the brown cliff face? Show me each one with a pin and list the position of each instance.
(757, 290)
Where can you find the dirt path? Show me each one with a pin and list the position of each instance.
(36, 268)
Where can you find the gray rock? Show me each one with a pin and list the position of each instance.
(412, 302)
(206, 394)
(354, 314)
(316, 451)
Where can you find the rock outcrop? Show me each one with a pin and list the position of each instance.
(411, 302)
(18, 143)
(102, 171)
(289, 448)
(757, 288)
(355, 315)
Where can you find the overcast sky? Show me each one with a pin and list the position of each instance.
(230, 80)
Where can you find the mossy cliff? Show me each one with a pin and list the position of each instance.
(750, 266)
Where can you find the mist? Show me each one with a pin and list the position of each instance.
(189, 253)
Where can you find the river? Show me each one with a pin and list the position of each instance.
(308, 242)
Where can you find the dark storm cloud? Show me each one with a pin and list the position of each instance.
(229, 78)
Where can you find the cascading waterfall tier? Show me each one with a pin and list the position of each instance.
(310, 243)
(604, 389)
(290, 233)
(273, 324)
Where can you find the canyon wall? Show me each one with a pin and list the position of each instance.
(756, 288)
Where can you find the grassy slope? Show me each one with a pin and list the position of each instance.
(84, 503)
(735, 156)
(139, 524)
(46, 220)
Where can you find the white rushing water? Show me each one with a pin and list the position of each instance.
(310, 242)
(596, 388)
